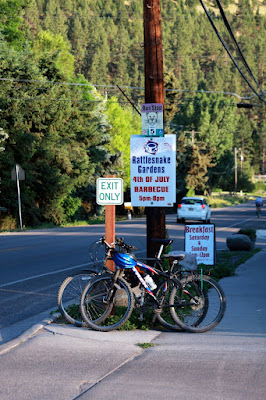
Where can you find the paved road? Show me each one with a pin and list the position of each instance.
(61, 362)
(33, 263)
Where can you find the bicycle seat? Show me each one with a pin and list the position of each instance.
(175, 255)
(165, 242)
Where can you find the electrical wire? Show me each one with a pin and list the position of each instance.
(114, 87)
(237, 45)
(49, 99)
(228, 52)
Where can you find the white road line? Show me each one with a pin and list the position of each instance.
(53, 273)
(231, 226)
(41, 275)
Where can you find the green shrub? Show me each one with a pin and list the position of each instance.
(260, 188)
(71, 206)
(8, 223)
(250, 232)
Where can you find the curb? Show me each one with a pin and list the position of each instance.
(30, 332)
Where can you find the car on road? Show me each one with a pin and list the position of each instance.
(194, 208)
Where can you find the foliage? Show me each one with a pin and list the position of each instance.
(124, 123)
(250, 232)
(71, 206)
(228, 261)
(7, 223)
(3, 138)
(145, 345)
(225, 201)
(259, 187)
(60, 144)
(11, 21)
(193, 162)
(50, 47)
(65, 134)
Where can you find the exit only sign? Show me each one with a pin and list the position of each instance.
(109, 191)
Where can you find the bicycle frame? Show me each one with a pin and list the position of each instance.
(159, 272)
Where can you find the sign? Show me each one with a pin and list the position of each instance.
(152, 119)
(109, 191)
(200, 241)
(20, 172)
(153, 171)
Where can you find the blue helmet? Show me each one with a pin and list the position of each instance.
(124, 260)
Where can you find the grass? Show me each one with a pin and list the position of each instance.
(225, 201)
(145, 345)
(50, 225)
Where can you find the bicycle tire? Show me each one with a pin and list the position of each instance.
(102, 316)
(204, 304)
(68, 297)
(163, 314)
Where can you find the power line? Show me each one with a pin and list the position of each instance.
(236, 43)
(63, 100)
(228, 52)
(91, 86)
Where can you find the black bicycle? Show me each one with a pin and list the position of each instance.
(190, 316)
(258, 210)
(107, 301)
(179, 299)
(70, 290)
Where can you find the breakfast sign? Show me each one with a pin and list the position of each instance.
(153, 171)
(200, 241)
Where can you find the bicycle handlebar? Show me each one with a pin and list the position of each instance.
(118, 242)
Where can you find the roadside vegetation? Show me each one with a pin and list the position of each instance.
(65, 122)
(218, 199)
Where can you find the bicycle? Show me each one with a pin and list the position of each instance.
(107, 301)
(102, 310)
(258, 210)
(210, 307)
(72, 287)
(70, 290)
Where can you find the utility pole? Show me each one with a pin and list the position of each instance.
(192, 135)
(154, 93)
(236, 169)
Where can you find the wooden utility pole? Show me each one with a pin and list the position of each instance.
(154, 93)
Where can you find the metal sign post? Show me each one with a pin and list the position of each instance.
(18, 174)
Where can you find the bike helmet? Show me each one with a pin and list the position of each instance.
(123, 260)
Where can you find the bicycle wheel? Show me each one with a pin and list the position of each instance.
(106, 306)
(68, 297)
(201, 304)
(163, 314)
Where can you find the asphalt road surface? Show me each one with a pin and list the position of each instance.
(34, 263)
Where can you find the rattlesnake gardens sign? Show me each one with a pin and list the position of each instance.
(153, 171)
(200, 241)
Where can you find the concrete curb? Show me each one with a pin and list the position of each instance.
(27, 334)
